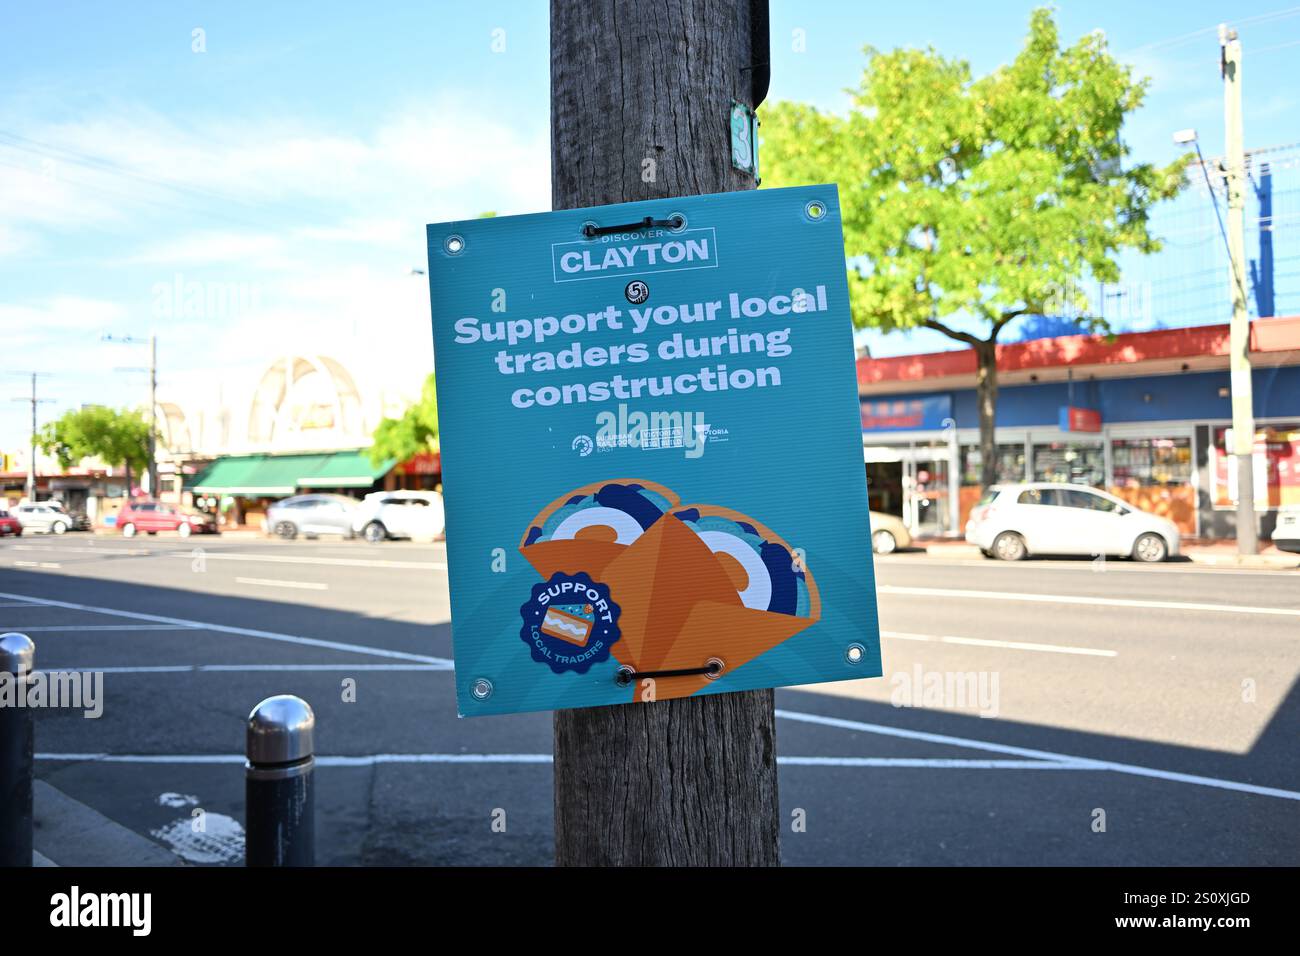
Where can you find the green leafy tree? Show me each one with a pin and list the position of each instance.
(117, 437)
(414, 432)
(969, 203)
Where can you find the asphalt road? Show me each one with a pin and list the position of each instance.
(1043, 713)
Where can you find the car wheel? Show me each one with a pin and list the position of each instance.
(883, 542)
(128, 530)
(184, 529)
(59, 527)
(286, 530)
(375, 532)
(1009, 546)
(1150, 547)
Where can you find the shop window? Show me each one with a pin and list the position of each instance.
(1010, 464)
(1076, 463)
(1276, 468)
(1151, 462)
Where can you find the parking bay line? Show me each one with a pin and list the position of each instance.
(1010, 645)
(231, 629)
(1088, 600)
(257, 668)
(370, 760)
(1082, 763)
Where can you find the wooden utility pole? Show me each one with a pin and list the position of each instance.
(640, 100)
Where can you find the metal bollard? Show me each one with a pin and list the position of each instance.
(17, 735)
(279, 806)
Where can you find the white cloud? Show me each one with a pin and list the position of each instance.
(323, 225)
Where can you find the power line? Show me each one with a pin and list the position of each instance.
(1195, 34)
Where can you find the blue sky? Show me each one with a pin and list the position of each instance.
(287, 170)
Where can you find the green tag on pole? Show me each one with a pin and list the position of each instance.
(744, 139)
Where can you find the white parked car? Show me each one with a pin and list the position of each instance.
(1012, 521)
(399, 514)
(1286, 535)
(47, 516)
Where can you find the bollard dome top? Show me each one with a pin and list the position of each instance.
(280, 730)
(17, 652)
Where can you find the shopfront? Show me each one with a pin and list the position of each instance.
(1156, 427)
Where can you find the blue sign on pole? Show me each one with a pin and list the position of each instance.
(651, 451)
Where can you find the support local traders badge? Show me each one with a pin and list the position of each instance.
(570, 623)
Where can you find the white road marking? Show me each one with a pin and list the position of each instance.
(294, 559)
(230, 629)
(1112, 565)
(213, 555)
(257, 668)
(369, 760)
(1087, 600)
(112, 627)
(273, 583)
(18, 604)
(1083, 763)
(37, 564)
(1012, 645)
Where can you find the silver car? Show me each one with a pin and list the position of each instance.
(44, 516)
(311, 515)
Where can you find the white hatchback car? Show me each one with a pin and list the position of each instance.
(1012, 521)
(399, 514)
(1286, 536)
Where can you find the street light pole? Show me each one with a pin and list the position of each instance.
(152, 467)
(31, 459)
(1243, 414)
(153, 416)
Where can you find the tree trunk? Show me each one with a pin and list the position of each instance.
(986, 393)
(640, 98)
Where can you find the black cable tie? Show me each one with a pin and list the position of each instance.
(626, 675)
(591, 230)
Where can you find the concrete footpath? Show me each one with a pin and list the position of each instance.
(67, 832)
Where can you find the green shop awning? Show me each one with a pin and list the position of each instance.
(278, 476)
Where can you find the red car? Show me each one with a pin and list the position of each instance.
(9, 525)
(152, 517)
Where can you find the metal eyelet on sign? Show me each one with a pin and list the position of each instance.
(482, 688)
(624, 676)
(454, 245)
(680, 222)
(855, 653)
(815, 211)
(715, 667)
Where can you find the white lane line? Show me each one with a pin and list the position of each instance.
(231, 629)
(369, 760)
(37, 564)
(257, 668)
(109, 627)
(1112, 565)
(1011, 645)
(1084, 763)
(273, 583)
(211, 555)
(68, 549)
(1088, 600)
(18, 604)
(293, 559)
